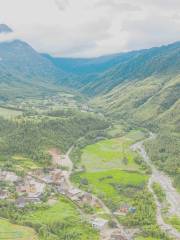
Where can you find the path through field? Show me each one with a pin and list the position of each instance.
(105, 233)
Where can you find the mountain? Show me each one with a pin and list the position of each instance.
(24, 71)
(152, 103)
(100, 75)
(5, 29)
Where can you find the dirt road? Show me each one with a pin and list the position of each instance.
(172, 196)
(105, 233)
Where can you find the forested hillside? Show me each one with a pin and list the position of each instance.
(100, 75)
(152, 103)
(33, 138)
(24, 72)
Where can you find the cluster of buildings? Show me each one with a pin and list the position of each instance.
(27, 189)
(81, 198)
(10, 178)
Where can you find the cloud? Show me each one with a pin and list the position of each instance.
(118, 5)
(61, 4)
(86, 28)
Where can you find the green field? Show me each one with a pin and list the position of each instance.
(116, 187)
(61, 221)
(11, 231)
(109, 154)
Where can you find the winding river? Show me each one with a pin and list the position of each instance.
(172, 196)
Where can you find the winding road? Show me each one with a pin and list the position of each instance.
(172, 196)
(105, 233)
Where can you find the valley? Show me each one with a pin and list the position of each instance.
(76, 158)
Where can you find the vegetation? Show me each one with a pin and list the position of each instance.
(159, 192)
(11, 231)
(32, 138)
(60, 221)
(136, 92)
(109, 154)
(115, 187)
(174, 221)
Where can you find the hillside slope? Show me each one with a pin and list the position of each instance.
(23, 71)
(153, 103)
(100, 75)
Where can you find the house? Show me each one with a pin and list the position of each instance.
(57, 175)
(123, 210)
(73, 192)
(20, 189)
(3, 194)
(99, 223)
(21, 202)
(34, 189)
(47, 179)
(8, 176)
(86, 198)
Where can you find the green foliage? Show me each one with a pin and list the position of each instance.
(113, 186)
(159, 192)
(32, 139)
(145, 210)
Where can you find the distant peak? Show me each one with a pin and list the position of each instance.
(5, 29)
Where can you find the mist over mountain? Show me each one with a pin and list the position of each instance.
(20, 63)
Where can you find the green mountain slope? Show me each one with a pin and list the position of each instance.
(153, 103)
(25, 72)
(100, 75)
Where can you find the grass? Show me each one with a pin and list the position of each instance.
(114, 185)
(65, 215)
(9, 113)
(25, 163)
(11, 231)
(110, 154)
(174, 221)
(147, 238)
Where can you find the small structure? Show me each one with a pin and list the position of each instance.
(57, 176)
(99, 223)
(21, 202)
(73, 192)
(123, 210)
(8, 176)
(86, 198)
(3, 194)
(117, 235)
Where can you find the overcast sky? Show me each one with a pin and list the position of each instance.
(86, 28)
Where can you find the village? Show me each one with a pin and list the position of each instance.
(33, 186)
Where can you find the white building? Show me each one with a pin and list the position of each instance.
(99, 223)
